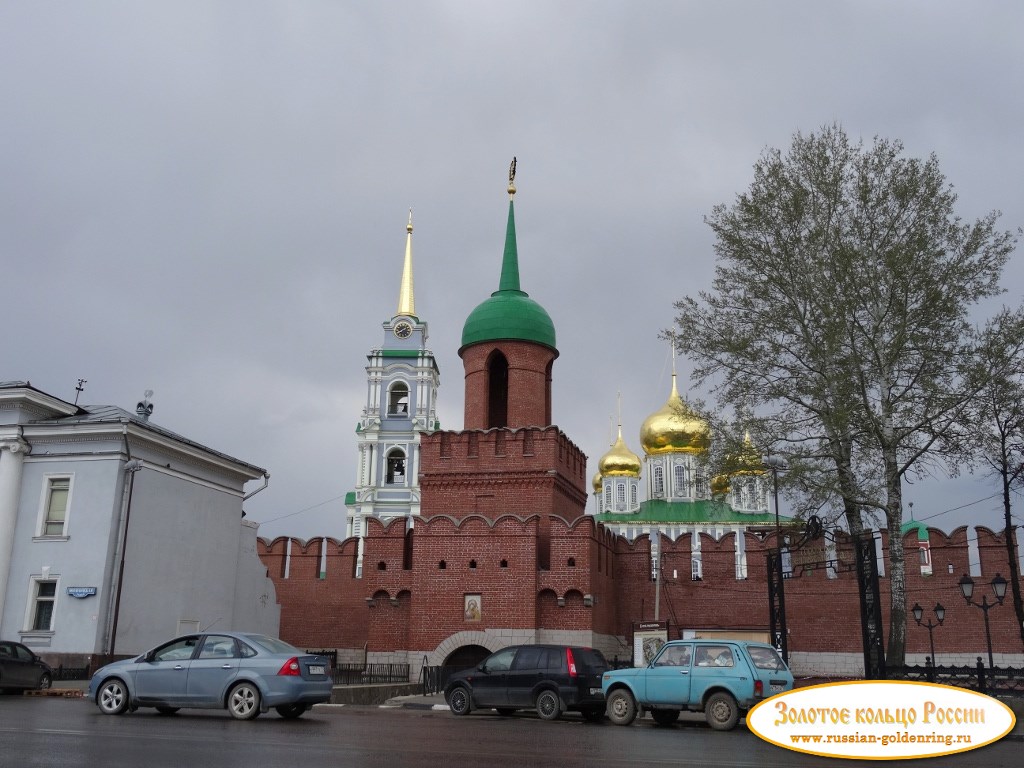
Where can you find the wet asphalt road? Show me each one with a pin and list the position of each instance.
(48, 732)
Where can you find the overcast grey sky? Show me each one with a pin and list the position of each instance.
(209, 199)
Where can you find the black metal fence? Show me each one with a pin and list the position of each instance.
(434, 679)
(71, 673)
(997, 681)
(367, 674)
(364, 674)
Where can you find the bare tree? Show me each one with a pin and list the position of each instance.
(840, 306)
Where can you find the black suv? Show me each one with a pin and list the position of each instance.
(549, 678)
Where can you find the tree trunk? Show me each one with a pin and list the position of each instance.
(896, 653)
(1011, 552)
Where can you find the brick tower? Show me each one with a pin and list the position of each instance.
(509, 459)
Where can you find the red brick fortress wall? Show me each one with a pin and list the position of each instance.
(502, 471)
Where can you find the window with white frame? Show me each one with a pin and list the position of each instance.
(632, 495)
(54, 516)
(620, 496)
(679, 479)
(44, 596)
(659, 481)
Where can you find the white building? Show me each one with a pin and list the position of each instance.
(116, 534)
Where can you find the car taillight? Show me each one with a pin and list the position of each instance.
(572, 662)
(290, 667)
(759, 688)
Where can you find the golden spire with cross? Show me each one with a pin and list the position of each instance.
(406, 300)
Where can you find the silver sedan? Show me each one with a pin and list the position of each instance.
(246, 673)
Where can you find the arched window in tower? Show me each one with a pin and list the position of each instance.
(497, 391)
(398, 399)
(679, 481)
(632, 495)
(395, 470)
(620, 496)
(608, 496)
(658, 479)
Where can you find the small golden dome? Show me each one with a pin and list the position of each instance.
(720, 485)
(597, 483)
(748, 461)
(619, 461)
(675, 428)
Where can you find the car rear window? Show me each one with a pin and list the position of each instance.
(589, 660)
(765, 657)
(273, 645)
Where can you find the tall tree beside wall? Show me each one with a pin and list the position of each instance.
(1000, 426)
(840, 305)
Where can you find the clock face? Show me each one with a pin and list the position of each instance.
(403, 330)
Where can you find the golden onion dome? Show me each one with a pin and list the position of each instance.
(597, 483)
(748, 461)
(674, 428)
(619, 461)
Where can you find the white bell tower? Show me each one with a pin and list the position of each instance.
(401, 396)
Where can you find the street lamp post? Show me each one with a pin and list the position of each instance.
(999, 589)
(774, 464)
(940, 614)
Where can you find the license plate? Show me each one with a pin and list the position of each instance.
(777, 687)
(317, 669)
(595, 691)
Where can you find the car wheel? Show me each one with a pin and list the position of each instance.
(459, 701)
(291, 711)
(621, 707)
(44, 681)
(722, 712)
(549, 705)
(593, 715)
(506, 711)
(244, 701)
(167, 710)
(665, 716)
(112, 698)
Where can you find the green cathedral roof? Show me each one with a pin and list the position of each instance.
(689, 512)
(509, 313)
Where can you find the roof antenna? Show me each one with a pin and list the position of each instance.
(80, 388)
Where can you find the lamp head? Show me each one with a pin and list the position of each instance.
(940, 612)
(999, 587)
(967, 587)
(918, 612)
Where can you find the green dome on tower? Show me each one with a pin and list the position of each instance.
(509, 313)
